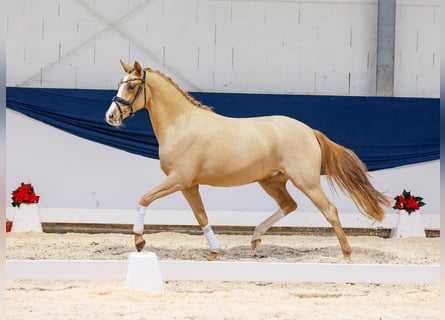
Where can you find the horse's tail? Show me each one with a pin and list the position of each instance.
(341, 165)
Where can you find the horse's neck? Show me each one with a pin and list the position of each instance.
(169, 108)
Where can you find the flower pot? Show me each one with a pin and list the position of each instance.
(27, 218)
(410, 225)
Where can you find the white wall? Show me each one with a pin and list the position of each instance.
(417, 49)
(70, 172)
(299, 47)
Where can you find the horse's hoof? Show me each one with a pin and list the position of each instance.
(140, 245)
(139, 242)
(213, 256)
(255, 243)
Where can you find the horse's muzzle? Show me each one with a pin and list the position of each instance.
(113, 122)
(113, 118)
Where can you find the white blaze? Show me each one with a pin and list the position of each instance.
(119, 94)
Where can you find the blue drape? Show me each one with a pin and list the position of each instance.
(384, 131)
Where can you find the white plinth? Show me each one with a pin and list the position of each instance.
(410, 225)
(27, 218)
(144, 273)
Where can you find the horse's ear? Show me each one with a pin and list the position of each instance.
(126, 67)
(137, 67)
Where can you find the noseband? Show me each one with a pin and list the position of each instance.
(118, 100)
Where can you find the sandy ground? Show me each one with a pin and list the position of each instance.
(178, 246)
(221, 300)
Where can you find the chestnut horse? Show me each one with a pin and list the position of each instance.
(198, 146)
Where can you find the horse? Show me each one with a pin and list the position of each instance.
(198, 146)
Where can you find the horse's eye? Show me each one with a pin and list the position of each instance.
(131, 86)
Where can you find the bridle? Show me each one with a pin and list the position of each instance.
(118, 100)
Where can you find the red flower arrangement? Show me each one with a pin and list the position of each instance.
(24, 194)
(8, 225)
(406, 201)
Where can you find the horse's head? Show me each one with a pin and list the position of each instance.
(132, 95)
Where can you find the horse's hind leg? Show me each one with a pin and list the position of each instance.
(316, 194)
(276, 188)
(193, 197)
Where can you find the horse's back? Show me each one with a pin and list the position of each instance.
(283, 133)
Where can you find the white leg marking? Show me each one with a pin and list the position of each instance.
(140, 219)
(261, 229)
(211, 238)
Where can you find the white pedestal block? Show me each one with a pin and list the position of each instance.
(27, 218)
(144, 273)
(410, 225)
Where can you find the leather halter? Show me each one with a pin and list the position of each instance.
(119, 100)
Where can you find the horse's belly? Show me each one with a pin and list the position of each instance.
(233, 173)
(228, 180)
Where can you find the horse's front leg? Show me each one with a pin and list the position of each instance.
(193, 197)
(171, 184)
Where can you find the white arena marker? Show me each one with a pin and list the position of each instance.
(144, 273)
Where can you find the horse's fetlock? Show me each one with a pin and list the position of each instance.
(347, 254)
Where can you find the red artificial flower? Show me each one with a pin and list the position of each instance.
(24, 194)
(401, 202)
(412, 203)
(408, 202)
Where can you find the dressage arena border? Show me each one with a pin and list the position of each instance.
(227, 271)
(223, 270)
(217, 218)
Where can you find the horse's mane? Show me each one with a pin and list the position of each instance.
(185, 94)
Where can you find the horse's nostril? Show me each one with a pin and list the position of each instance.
(111, 116)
